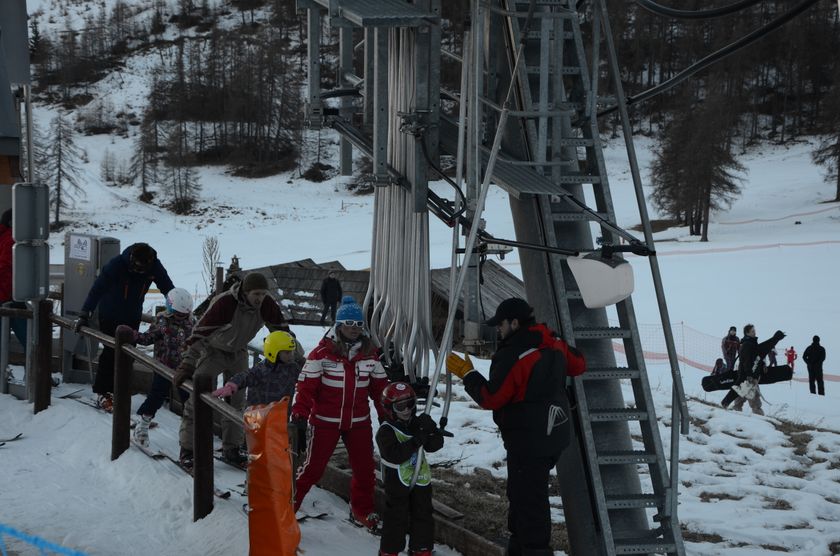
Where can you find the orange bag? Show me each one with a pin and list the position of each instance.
(272, 527)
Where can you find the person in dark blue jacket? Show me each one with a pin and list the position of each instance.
(119, 292)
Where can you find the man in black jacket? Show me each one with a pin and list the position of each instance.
(119, 292)
(750, 367)
(527, 392)
(814, 356)
(330, 296)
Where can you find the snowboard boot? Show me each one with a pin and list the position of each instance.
(371, 521)
(234, 456)
(186, 459)
(141, 430)
(106, 402)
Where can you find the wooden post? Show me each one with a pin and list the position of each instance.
(41, 359)
(202, 449)
(218, 280)
(121, 423)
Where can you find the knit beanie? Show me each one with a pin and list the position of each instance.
(349, 310)
(254, 281)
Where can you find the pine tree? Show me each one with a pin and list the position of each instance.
(694, 171)
(62, 170)
(828, 152)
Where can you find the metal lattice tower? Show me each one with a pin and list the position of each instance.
(550, 163)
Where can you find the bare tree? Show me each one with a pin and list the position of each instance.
(62, 171)
(210, 261)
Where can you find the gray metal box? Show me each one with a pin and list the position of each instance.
(84, 257)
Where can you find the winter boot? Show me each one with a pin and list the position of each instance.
(383, 553)
(106, 402)
(141, 430)
(233, 456)
(186, 459)
(371, 522)
(421, 552)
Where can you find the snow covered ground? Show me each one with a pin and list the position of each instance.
(749, 484)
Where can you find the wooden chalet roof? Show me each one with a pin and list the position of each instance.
(297, 285)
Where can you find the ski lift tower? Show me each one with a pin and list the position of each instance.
(550, 161)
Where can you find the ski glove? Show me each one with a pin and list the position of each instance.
(424, 424)
(229, 389)
(82, 320)
(182, 373)
(457, 366)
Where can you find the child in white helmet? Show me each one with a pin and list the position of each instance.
(169, 334)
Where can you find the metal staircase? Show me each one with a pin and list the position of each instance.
(556, 102)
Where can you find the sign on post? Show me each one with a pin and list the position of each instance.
(31, 253)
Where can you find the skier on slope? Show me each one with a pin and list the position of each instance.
(332, 395)
(408, 510)
(729, 345)
(750, 369)
(169, 335)
(273, 528)
(791, 356)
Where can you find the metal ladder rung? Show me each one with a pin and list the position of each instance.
(625, 457)
(536, 35)
(625, 501)
(578, 179)
(586, 333)
(566, 216)
(617, 414)
(574, 142)
(644, 546)
(566, 70)
(610, 373)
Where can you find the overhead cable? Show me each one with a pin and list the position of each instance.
(703, 63)
(659, 9)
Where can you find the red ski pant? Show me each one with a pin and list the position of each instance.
(359, 444)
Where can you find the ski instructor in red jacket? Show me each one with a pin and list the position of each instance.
(527, 393)
(332, 395)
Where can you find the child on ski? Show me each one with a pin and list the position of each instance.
(273, 528)
(273, 378)
(791, 356)
(168, 333)
(407, 510)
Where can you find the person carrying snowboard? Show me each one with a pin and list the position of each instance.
(750, 368)
(169, 335)
(408, 511)
(273, 528)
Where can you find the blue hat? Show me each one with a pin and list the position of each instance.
(349, 310)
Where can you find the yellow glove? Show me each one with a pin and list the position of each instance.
(457, 366)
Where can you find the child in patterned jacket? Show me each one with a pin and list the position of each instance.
(168, 333)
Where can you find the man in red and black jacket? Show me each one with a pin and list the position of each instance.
(526, 390)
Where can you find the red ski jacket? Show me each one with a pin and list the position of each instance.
(334, 386)
(526, 390)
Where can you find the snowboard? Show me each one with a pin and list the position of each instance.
(724, 381)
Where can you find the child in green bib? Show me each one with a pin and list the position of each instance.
(408, 511)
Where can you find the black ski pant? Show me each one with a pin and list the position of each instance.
(104, 383)
(328, 307)
(161, 387)
(815, 377)
(529, 516)
(407, 512)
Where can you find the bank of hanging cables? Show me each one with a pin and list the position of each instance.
(720, 54)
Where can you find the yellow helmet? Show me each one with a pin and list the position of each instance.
(278, 341)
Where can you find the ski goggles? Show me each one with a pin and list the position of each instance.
(404, 405)
(356, 323)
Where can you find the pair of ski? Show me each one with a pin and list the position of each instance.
(161, 455)
(96, 406)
